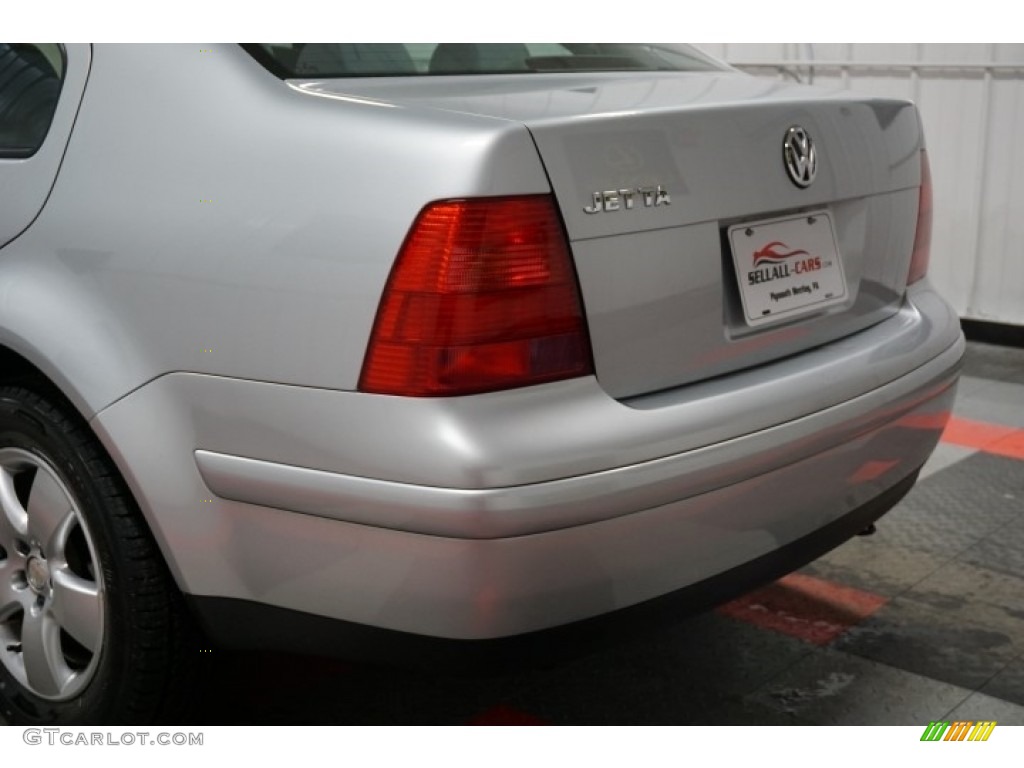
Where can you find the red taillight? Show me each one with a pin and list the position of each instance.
(923, 236)
(482, 297)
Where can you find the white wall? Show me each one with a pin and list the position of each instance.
(974, 124)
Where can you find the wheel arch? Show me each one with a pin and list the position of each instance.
(22, 364)
(18, 368)
(60, 338)
(48, 437)
(32, 373)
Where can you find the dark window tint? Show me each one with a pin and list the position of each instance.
(30, 80)
(314, 60)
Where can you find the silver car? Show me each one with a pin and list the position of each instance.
(431, 350)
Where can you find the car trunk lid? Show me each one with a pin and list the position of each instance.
(673, 190)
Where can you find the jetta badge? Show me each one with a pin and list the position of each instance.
(628, 199)
(799, 156)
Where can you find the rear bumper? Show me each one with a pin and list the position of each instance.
(501, 515)
(246, 624)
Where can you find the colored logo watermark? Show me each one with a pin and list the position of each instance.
(960, 730)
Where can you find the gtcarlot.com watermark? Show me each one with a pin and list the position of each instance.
(60, 737)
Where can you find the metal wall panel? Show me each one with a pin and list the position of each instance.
(971, 98)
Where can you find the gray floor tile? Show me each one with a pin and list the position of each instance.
(740, 711)
(833, 688)
(981, 707)
(968, 384)
(992, 361)
(675, 680)
(1002, 550)
(1008, 683)
(940, 646)
(716, 652)
(953, 510)
(872, 564)
(982, 487)
(998, 402)
(945, 455)
(974, 594)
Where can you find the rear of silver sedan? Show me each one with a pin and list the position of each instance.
(753, 369)
(465, 351)
(558, 503)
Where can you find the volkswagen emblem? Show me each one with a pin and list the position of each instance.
(799, 156)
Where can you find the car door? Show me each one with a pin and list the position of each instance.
(41, 86)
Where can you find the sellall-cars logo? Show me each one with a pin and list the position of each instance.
(961, 730)
(776, 260)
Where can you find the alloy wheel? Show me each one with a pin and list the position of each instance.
(52, 598)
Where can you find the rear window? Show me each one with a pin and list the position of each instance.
(321, 60)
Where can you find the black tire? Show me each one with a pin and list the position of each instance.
(139, 670)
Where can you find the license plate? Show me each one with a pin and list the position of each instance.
(787, 267)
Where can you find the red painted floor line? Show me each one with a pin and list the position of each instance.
(801, 606)
(1012, 445)
(974, 434)
(502, 715)
(991, 438)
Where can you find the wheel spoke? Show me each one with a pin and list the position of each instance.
(48, 511)
(78, 608)
(13, 518)
(11, 600)
(45, 667)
